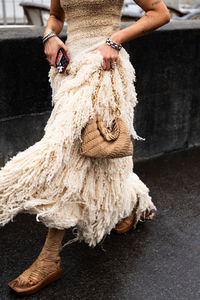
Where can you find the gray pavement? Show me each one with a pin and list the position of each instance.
(159, 260)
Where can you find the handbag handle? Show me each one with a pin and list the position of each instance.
(116, 96)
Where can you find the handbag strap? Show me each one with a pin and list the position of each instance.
(116, 96)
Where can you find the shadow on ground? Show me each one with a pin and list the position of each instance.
(157, 261)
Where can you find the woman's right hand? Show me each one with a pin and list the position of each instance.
(51, 47)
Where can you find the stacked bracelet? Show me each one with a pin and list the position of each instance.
(113, 44)
(48, 36)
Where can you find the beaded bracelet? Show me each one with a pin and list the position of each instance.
(48, 36)
(113, 44)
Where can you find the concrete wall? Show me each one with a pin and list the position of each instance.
(167, 64)
(167, 70)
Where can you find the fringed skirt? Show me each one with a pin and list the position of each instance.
(53, 181)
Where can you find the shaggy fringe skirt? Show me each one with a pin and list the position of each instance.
(52, 180)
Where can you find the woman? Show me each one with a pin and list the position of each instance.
(51, 179)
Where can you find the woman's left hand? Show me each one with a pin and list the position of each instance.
(110, 55)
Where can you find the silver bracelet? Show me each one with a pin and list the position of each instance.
(113, 44)
(48, 36)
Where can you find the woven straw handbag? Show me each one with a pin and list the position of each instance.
(98, 141)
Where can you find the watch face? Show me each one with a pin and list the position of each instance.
(61, 60)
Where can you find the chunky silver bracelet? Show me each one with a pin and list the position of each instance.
(48, 36)
(113, 44)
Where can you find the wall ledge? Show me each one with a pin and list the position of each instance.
(31, 31)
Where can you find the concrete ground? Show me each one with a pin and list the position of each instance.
(157, 261)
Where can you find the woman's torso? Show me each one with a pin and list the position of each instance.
(89, 21)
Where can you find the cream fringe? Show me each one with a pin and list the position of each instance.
(52, 180)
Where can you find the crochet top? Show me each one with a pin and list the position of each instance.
(89, 19)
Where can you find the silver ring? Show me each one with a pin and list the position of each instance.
(113, 65)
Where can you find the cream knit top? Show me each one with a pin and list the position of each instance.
(91, 20)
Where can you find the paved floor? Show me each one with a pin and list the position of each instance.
(157, 261)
